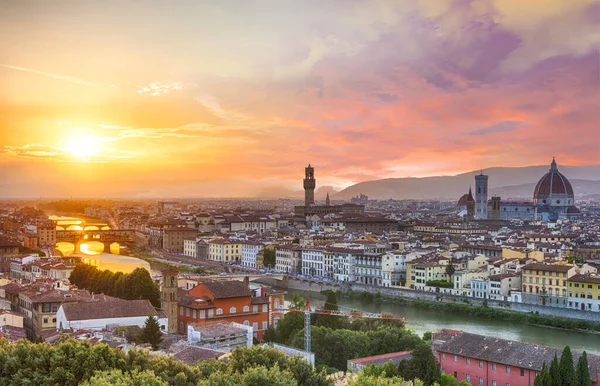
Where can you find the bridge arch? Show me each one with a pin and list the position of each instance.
(91, 228)
(74, 227)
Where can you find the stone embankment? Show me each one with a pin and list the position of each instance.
(316, 286)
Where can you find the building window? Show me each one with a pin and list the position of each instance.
(255, 308)
(187, 312)
(255, 326)
(211, 313)
(264, 325)
(194, 315)
(522, 372)
(468, 378)
(468, 361)
(493, 367)
(246, 309)
(493, 383)
(202, 314)
(480, 364)
(481, 381)
(232, 310)
(507, 369)
(219, 311)
(443, 355)
(246, 323)
(264, 308)
(455, 359)
(181, 311)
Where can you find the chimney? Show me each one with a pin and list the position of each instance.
(247, 282)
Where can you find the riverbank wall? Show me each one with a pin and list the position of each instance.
(314, 286)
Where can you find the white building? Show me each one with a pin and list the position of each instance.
(313, 262)
(249, 251)
(223, 250)
(344, 265)
(190, 247)
(107, 311)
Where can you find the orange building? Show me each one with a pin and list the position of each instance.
(212, 302)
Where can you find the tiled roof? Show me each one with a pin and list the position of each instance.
(585, 279)
(226, 288)
(192, 355)
(109, 308)
(548, 267)
(395, 357)
(512, 353)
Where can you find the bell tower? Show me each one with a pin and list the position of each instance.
(309, 186)
(169, 298)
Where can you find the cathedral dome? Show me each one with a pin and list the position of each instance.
(552, 184)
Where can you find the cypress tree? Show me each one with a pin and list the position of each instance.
(582, 373)
(566, 368)
(543, 379)
(554, 372)
(151, 332)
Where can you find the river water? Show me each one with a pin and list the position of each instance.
(421, 320)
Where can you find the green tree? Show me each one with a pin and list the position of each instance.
(151, 332)
(450, 269)
(269, 258)
(331, 304)
(543, 379)
(388, 370)
(555, 371)
(566, 368)
(118, 378)
(292, 322)
(422, 365)
(447, 380)
(582, 373)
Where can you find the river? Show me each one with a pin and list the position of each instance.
(421, 320)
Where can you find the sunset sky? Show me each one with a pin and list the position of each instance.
(233, 98)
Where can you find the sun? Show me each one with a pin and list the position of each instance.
(82, 146)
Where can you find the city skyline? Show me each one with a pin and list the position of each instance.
(198, 99)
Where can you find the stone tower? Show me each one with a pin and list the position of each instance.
(169, 298)
(495, 208)
(309, 186)
(481, 197)
(327, 201)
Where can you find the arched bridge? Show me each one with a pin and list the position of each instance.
(107, 237)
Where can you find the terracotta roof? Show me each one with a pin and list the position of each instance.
(585, 279)
(109, 308)
(548, 267)
(552, 182)
(222, 289)
(192, 355)
(512, 353)
(395, 357)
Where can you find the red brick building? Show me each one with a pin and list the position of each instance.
(212, 302)
(488, 361)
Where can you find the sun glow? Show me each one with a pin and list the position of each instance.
(82, 146)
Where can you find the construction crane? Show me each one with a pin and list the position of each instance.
(351, 314)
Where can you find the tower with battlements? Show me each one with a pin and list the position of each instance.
(309, 186)
(169, 298)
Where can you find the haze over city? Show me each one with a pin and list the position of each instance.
(234, 98)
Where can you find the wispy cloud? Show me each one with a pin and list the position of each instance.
(500, 127)
(34, 150)
(159, 88)
(51, 75)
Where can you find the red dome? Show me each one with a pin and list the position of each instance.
(552, 182)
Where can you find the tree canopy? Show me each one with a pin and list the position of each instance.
(75, 362)
(133, 286)
(151, 332)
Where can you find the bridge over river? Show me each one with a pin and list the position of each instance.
(107, 237)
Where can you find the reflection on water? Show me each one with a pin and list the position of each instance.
(92, 253)
(421, 320)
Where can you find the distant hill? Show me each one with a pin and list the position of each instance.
(505, 182)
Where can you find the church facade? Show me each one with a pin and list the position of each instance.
(553, 199)
(305, 213)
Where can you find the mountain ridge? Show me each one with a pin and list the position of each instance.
(507, 182)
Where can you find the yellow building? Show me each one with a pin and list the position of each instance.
(226, 251)
(584, 292)
(546, 279)
(508, 253)
(420, 271)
